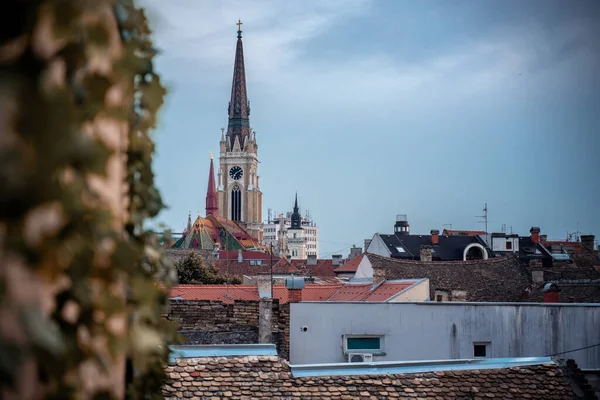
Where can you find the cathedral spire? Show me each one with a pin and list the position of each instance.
(239, 108)
(212, 207)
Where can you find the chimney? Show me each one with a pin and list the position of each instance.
(587, 241)
(336, 259)
(435, 236)
(265, 321)
(367, 243)
(535, 234)
(294, 286)
(263, 281)
(551, 293)
(426, 251)
(543, 238)
(240, 256)
(537, 276)
(354, 252)
(311, 259)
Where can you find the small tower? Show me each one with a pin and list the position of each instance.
(296, 239)
(401, 227)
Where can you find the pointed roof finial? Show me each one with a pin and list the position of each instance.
(211, 192)
(296, 220)
(211, 155)
(239, 24)
(238, 109)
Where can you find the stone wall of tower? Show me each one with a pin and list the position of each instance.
(296, 244)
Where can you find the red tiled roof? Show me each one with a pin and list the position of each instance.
(323, 267)
(575, 246)
(233, 267)
(339, 292)
(224, 293)
(246, 255)
(350, 266)
(389, 289)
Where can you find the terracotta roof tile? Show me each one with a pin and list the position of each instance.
(350, 266)
(269, 377)
(337, 292)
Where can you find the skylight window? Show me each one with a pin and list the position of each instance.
(400, 249)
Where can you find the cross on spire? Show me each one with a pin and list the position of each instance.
(239, 24)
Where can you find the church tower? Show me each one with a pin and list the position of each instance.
(296, 241)
(238, 192)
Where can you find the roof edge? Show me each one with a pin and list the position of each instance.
(407, 367)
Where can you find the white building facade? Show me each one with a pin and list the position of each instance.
(283, 223)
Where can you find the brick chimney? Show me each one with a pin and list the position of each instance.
(587, 241)
(295, 286)
(426, 251)
(435, 236)
(551, 293)
(336, 259)
(535, 234)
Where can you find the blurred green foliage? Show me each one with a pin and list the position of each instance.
(52, 86)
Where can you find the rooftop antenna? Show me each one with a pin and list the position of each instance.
(503, 228)
(448, 225)
(485, 219)
(269, 215)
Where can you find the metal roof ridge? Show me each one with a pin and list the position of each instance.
(221, 350)
(406, 367)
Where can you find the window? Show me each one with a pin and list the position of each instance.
(363, 343)
(439, 297)
(236, 204)
(400, 249)
(508, 245)
(481, 350)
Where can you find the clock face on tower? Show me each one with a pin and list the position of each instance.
(236, 173)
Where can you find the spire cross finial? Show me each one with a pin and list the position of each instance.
(239, 24)
(211, 156)
(198, 212)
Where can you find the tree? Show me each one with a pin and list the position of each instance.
(193, 270)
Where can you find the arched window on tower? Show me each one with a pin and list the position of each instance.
(236, 204)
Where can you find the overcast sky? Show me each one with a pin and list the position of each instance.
(369, 109)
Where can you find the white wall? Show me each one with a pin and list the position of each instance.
(417, 292)
(431, 330)
(364, 269)
(499, 243)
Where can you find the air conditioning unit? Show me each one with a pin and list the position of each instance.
(360, 357)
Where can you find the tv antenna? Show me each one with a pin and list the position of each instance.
(485, 217)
